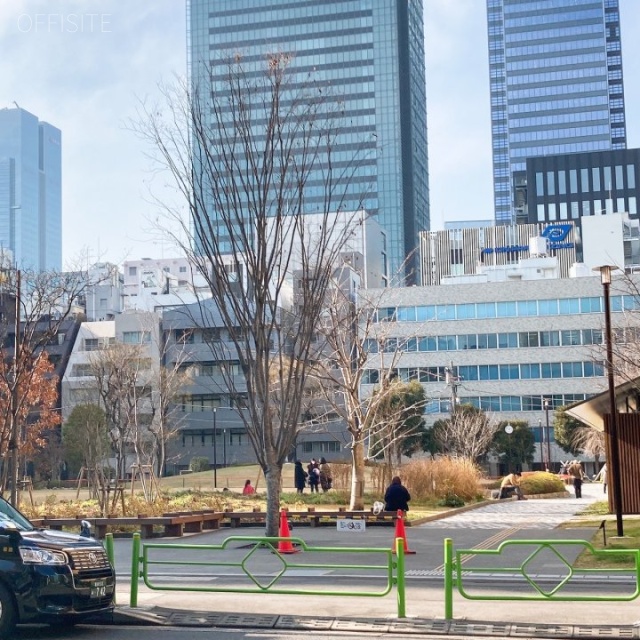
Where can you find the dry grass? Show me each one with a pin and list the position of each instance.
(441, 478)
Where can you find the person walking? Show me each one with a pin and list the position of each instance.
(326, 481)
(314, 475)
(602, 477)
(576, 474)
(396, 496)
(299, 477)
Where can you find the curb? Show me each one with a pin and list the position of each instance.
(158, 616)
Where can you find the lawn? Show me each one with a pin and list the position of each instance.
(597, 515)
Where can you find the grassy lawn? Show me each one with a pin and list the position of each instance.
(593, 516)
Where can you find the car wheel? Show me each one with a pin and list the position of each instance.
(8, 614)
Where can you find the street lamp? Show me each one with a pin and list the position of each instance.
(215, 451)
(509, 430)
(614, 452)
(541, 432)
(224, 447)
(546, 402)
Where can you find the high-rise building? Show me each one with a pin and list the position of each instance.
(556, 87)
(30, 190)
(370, 54)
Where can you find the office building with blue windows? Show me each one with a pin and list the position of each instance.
(369, 56)
(30, 190)
(556, 87)
(516, 349)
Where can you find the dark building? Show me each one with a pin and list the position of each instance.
(576, 185)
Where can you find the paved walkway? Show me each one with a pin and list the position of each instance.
(425, 606)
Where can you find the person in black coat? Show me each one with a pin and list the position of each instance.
(299, 477)
(396, 496)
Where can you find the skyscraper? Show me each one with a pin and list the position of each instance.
(30, 190)
(371, 54)
(556, 87)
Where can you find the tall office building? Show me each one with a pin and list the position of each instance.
(30, 190)
(556, 87)
(370, 55)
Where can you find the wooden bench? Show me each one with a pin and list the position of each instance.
(174, 524)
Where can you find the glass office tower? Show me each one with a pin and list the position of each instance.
(370, 54)
(30, 190)
(556, 87)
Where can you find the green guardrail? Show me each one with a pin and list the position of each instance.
(454, 571)
(141, 564)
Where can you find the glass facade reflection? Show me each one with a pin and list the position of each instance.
(30, 190)
(556, 87)
(370, 54)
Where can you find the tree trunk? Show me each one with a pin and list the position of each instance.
(357, 475)
(273, 481)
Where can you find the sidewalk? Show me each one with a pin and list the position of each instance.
(425, 596)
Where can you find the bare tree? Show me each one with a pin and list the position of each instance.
(467, 433)
(590, 441)
(354, 350)
(251, 152)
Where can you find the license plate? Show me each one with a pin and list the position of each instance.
(98, 589)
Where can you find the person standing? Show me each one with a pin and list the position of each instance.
(314, 475)
(396, 496)
(576, 474)
(602, 477)
(299, 477)
(326, 481)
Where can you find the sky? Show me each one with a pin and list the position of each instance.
(85, 66)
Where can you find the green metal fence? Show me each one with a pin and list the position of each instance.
(145, 556)
(456, 568)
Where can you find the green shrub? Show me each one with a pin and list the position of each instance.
(542, 482)
(199, 463)
(451, 500)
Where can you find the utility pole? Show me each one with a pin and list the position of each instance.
(452, 381)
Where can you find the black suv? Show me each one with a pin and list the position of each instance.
(49, 576)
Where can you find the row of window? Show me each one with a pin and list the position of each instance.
(204, 437)
(596, 179)
(506, 403)
(507, 309)
(520, 371)
(511, 340)
(208, 402)
(552, 211)
(320, 446)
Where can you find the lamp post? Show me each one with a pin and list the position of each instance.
(541, 432)
(224, 447)
(215, 451)
(547, 403)
(614, 452)
(509, 430)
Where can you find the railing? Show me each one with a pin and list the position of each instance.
(456, 568)
(238, 568)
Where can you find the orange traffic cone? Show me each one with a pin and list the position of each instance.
(401, 533)
(285, 546)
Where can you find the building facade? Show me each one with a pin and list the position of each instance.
(556, 86)
(516, 349)
(579, 185)
(30, 190)
(364, 56)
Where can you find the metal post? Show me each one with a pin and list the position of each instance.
(448, 579)
(400, 586)
(614, 468)
(541, 432)
(215, 451)
(547, 402)
(224, 447)
(135, 571)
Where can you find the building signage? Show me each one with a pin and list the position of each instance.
(555, 234)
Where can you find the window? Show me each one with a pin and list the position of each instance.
(184, 336)
(133, 271)
(91, 344)
(182, 269)
(136, 337)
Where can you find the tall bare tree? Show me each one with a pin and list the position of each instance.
(251, 152)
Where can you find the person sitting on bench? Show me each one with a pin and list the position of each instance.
(511, 484)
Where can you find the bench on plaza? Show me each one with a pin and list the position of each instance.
(311, 516)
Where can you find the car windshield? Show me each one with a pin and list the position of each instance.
(11, 518)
